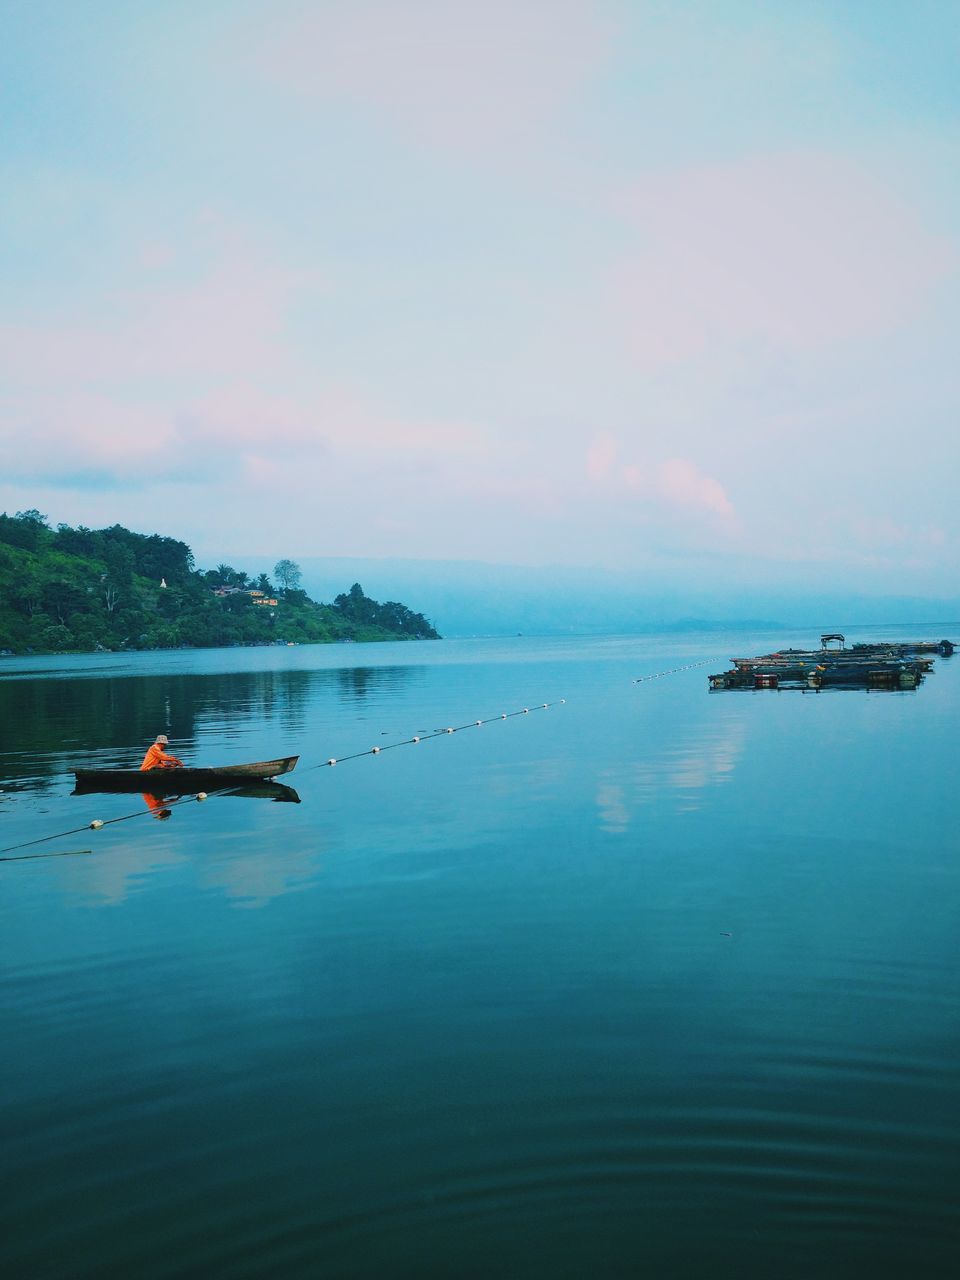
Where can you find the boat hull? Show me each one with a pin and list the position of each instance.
(171, 782)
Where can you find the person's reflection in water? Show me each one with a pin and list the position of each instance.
(156, 805)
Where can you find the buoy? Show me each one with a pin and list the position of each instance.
(478, 723)
(414, 739)
(201, 795)
(449, 731)
(331, 762)
(375, 750)
(96, 824)
(526, 711)
(504, 716)
(562, 701)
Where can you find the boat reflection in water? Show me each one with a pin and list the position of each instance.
(264, 791)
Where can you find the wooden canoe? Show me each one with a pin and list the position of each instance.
(170, 782)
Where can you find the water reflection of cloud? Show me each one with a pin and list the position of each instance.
(109, 876)
(256, 878)
(679, 773)
(614, 811)
(248, 879)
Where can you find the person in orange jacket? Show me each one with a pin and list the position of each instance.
(157, 758)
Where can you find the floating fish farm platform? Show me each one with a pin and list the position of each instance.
(890, 666)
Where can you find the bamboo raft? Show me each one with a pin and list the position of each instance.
(882, 665)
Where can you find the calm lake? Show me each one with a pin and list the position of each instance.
(652, 982)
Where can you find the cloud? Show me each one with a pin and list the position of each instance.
(188, 370)
(82, 439)
(325, 422)
(674, 482)
(448, 73)
(680, 482)
(883, 531)
(601, 455)
(789, 251)
(219, 317)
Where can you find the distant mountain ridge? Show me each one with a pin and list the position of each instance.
(475, 598)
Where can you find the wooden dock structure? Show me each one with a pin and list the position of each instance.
(889, 665)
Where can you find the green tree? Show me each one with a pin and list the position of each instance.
(354, 605)
(26, 591)
(85, 589)
(224, 575)
(62, 597)
(26, 529)
(287, 573)
(79, 542)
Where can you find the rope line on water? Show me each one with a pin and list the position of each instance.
(672, 671)
(147, 813)
(324, 764)
(95, 826)
(425, 737)
(64, 853)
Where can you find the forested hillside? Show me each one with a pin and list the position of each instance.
(81, 589)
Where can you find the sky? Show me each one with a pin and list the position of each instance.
(667, 289)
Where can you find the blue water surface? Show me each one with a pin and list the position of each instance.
(649, 981)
